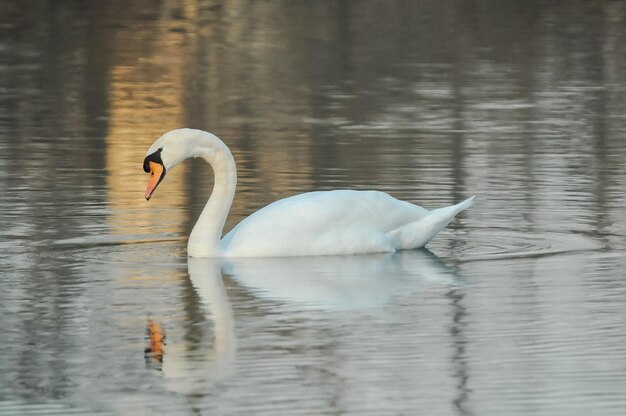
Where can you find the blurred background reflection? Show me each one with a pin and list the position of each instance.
(521, 103)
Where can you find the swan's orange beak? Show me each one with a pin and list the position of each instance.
(157, 172)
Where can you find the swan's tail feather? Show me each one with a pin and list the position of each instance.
(461, 206)
(419, 233)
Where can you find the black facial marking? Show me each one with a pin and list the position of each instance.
(153, 157)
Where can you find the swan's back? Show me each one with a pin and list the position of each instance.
(321, 223)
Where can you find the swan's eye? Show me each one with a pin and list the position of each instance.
(153, 157)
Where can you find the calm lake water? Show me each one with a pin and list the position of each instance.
(518, 308)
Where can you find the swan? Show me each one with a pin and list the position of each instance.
(314, 223)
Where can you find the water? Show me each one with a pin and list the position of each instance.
(518, 308)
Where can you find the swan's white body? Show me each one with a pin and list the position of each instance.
(314, 223)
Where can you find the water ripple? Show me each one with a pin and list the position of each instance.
(496, 244)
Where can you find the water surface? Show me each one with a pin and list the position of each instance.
(518, 308)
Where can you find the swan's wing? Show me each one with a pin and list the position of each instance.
(331, 222)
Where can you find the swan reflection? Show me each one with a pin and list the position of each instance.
(328, 283)
(340, 282)
(192, 374)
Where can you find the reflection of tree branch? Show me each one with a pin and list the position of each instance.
(458, 356)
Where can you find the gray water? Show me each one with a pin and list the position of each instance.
(518, 308)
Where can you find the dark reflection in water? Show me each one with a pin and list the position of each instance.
(521, 103)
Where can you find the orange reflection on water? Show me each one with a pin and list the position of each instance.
(157, 340)
(146, 98)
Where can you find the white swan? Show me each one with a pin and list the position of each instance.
(313, 223)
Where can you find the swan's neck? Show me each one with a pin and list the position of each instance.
(204, 240)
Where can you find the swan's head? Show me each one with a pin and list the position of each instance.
(165, 153)
(172, 148)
